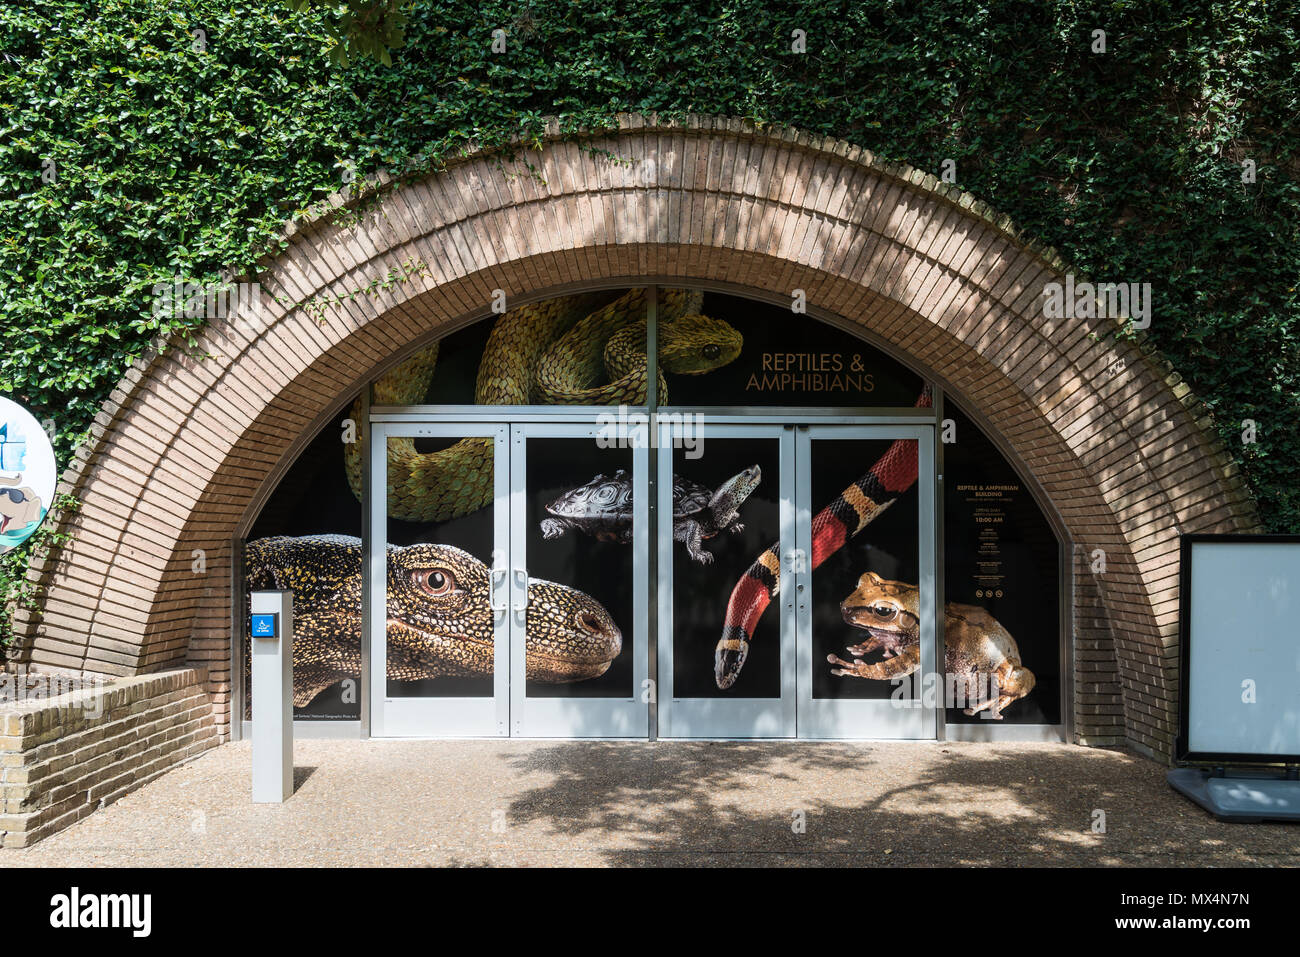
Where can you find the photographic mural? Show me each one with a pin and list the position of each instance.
(1001, 563)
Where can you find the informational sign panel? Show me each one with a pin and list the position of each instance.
(1001, 559)
(27, 475)
(1240, 649)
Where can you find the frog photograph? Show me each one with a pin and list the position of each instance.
(864, 565)
(980, 656)
(587, 349)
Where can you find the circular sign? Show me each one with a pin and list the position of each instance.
(27, 474)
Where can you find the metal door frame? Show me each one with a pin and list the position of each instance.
(577, 717)
(882, 719)
(436, 717)
(726, 717)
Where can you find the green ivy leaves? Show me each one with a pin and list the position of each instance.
(183, 133)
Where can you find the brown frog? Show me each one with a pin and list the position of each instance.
(976, 645)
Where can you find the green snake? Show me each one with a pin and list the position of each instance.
(440, 620)
(573, 350)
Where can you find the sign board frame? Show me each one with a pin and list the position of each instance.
(1183, 752)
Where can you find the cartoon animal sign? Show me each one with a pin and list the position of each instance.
(26, 475)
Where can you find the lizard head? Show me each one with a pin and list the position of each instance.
(440, 619)
(438, 609)
(570, 635)
(695, 344)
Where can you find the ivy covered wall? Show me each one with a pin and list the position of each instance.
(149, 141)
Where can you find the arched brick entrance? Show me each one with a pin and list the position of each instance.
(188, 438)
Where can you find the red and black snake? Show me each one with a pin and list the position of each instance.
(851, 512)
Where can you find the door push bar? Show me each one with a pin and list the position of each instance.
(498, 578)
(521, 580)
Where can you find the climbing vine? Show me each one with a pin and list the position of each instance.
(156, 141)
(318, 306)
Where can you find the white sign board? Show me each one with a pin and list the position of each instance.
(1241, 648)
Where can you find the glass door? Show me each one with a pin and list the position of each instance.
(579, 561)
(439, 539)
(865, 585)
(796, 582)
(726, 618)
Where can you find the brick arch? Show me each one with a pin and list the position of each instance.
(189, 436)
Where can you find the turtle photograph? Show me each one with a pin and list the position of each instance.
(603, 509)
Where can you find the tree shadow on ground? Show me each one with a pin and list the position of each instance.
(884, 804)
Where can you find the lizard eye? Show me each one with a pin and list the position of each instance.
(711, 351)
(435, 581)
(884, 612)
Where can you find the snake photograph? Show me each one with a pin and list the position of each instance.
(851, 511)
(585, 349)
(570, 350)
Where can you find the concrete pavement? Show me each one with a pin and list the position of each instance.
(692, 803)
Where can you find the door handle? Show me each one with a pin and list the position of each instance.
(521, 580)
(498, 577)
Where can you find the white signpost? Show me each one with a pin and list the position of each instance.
(271, 628)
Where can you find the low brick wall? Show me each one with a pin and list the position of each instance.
(65, 756)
